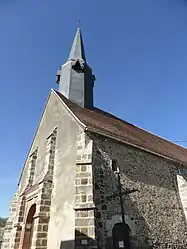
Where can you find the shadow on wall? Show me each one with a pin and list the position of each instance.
(109, 210)
(81, 241)
(145, 209)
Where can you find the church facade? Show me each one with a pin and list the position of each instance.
(92, 180)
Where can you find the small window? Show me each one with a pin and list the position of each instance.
(114, 165)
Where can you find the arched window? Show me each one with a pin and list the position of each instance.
(28, 234)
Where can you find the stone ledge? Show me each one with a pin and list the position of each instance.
(84, 206)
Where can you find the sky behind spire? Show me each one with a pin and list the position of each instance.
(138, 52)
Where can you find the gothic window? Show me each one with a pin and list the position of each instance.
(114, 165)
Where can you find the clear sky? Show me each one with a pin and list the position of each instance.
(138, 52)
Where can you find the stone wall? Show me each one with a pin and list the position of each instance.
(154, 213)
(61, 233)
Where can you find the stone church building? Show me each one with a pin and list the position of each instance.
(92, 180)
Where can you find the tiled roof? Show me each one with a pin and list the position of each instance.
(109, 125)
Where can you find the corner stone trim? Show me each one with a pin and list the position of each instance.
(84, 205)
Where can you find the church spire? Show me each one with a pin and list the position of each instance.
(75, 77)
(77, 50)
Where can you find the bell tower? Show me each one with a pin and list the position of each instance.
(75, 77)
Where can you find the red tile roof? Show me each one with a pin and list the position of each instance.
(109, 125)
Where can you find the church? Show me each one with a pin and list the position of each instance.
(94, 181)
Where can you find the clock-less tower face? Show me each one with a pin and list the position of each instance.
(75, 77)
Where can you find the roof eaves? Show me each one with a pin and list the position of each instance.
(89, 129)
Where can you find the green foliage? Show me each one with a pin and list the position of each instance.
(3, 222)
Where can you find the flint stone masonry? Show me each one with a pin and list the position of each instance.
(154, 213)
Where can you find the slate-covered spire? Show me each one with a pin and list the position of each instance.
(75, 77)
(77, 50)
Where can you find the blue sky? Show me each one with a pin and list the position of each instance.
(138, 52)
